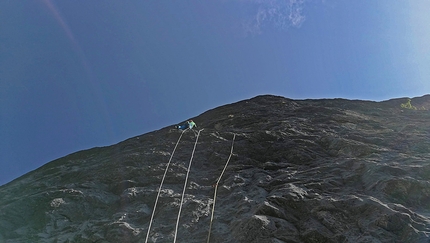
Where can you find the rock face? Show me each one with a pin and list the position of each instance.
(329, 170)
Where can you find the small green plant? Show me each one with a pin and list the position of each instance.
(408, 105)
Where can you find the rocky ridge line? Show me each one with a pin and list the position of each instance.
(330, 170)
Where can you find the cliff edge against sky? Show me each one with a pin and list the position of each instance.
(329, 170)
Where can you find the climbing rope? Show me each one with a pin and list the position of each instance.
(216, 187)
(185, 186)
(161, 184)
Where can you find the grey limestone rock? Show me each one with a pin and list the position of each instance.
(329, 170)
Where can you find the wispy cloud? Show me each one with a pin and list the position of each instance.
(280, 14)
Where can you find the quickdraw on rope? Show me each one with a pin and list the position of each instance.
(161, 184)
(216, 187)
(185, 186)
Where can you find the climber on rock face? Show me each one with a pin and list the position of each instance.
(189, 124)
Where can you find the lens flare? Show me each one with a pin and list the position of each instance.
(97, 94)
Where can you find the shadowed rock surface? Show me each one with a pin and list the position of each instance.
(330, 170)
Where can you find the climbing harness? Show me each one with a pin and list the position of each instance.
(185, 185)
(216, 188)
(161, 184)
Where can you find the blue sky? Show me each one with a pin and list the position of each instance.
(80, 74)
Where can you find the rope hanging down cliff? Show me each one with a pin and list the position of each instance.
(216, 187)
(185, 186)
(161, 184)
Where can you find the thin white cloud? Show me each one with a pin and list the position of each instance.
(280, 14)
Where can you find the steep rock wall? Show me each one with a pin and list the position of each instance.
(330, 170)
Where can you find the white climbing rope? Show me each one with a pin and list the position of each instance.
(161, 184)
(185, 186)
(216, 188)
